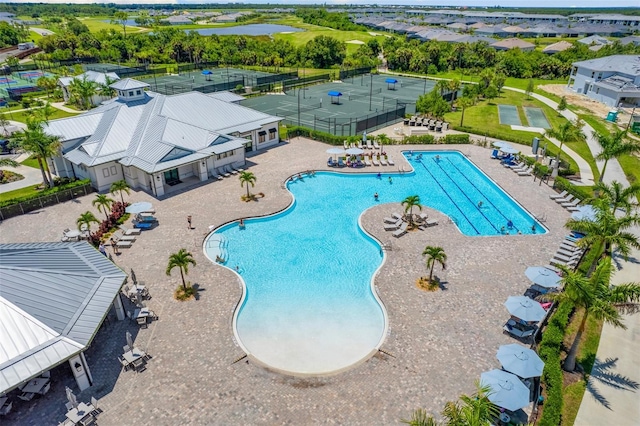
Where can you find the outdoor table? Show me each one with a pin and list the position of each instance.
(133, 355)
(77, 414)
(139, 313)
(35, 385)
(137, 288)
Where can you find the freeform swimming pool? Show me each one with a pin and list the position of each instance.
(308, 305)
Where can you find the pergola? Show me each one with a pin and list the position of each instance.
(334, 95)
(53, 299)
(391, 83)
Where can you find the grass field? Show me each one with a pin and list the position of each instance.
(22, 115)
(96, 23)
(32, 162)
(18, 193)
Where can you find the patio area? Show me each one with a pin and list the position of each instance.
(438, 344)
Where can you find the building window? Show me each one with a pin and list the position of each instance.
(272, 133)
(131, 92)
(593, 73)
(137, 92)
(262, 136)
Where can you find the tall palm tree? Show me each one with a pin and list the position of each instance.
(106, 89)
(618, 196)
(409, 203)
(597, 298)
(247, 178)
(434, 255)
(103, 204)
(470, 410)
(83, 89)
(86, 219)
(613, 146)
(182, 259)
(464, 103)
(567, 132)
(42, 146)
(453, 86)
(120, 186)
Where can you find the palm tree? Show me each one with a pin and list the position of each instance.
(120, 186)
(464, 103)
(453, 86)
(106, 89)
(83, 89)
(247, 178)
(567, 132)
(86, 219)
(7, 162)
(618, 196)
(103, 204)
(597, 298)
(409, 203)
(434, 255)
(613, 146)
(181, 260)
(42, 146)
(471, 410)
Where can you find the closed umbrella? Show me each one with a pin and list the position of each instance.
(364, 136)
(129, 340)
(133, 277)
(506, 390)
(542, 276)
(520, 361)
(584, 213)
(139, 207)
(71, 397)
(525, 308)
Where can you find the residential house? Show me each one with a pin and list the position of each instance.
(513, 43)
(612, 80)
(560, 46)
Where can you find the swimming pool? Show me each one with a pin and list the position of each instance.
(308, 305)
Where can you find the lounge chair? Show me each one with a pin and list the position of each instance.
(129, 231)
(330, 162)
(345, 144)
(390, 161)
(375, 162)
(573, 208)
(573, 203)
(340, 162)
(512, 328)
(383, 161)
(423, 217)
(519, 169)
(216, 176)
(369, 144)
(397, 216)
(567, 257)
(431, 222)
(375, 145)
(400, 232)
(393, 226)
(121, 236)
(390, 220)
(229, 169)
(526, 172)
(568, 264)
(494, 154)
(560, 195)
(520, 165)
(566, 199)
(223, 172)
(367, 161)
(142, 225)
(124, 244)
(359, 144)
(237, 169)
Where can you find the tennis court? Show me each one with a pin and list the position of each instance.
(536, 117)
(360, 103)
(33, 75)
(18, 85)
(509, 115)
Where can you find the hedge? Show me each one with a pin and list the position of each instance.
(552, 378)
(581, 192)
(48, 191)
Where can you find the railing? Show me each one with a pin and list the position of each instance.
(44, 201)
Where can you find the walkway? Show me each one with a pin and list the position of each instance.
(31, 175)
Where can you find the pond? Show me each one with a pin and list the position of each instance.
(250, 30)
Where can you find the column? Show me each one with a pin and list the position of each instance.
(158, 184)
(117, 305)
(80, 371)
(202, 170)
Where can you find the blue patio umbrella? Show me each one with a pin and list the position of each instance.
(509, 150)
(506, 389)
(520, 361)
(542, 276)
(139, 207)
(206, 73)
(584, 213)
(525, 308)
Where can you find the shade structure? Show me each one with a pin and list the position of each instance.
(139, 207)
(506, 389)
(129, 340)
(520, 361)
(584, 213)
(334, 93)
(542, 276)
(390, 81)
(355, 151)
(509, 150)
(501, 144)
(335, 151)
(525, 308)
(206, 72)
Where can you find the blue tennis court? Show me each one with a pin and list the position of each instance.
(536, 117)
(509, 115)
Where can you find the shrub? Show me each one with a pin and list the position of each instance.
(419, 140)
(457, 139)
(563, 184)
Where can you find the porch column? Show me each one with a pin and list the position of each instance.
(80, 371)
(158, 184)
(117, 305)
(202, 170)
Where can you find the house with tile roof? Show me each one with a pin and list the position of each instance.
(612, 80)
(159, 143)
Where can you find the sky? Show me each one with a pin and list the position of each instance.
(507, 3)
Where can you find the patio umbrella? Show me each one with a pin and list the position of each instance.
(206, 73)
(335, 151)
(509, 150)
(129, 340)
(506, 390)
(520, 361)
(139, 207)
(584, 212)
(355, 151)
(71, 397)
(501, 144)
(542, 276)
(524, 308)
(133, 277)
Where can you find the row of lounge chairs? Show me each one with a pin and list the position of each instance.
(568, 254)
(227, 171)
(399, 227)
(521, 169)
(429, 123)
(368, 144)
(566, 200)
(364, 162)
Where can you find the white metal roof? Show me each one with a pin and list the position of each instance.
(624, 64)
(226, 96)
(128, 84)
(54, 296)
(95, 76)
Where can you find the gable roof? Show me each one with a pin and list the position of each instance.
(560, 46)
(624, 64)
(54, 296)
(512, 43)
(129, 84)
(99, 78)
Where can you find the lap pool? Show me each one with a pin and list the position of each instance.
(308, 305)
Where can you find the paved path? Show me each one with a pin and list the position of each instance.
(41, 31)
(31, 177)
(61, 106)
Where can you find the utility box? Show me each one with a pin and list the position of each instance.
(612, 116)
(535, 144)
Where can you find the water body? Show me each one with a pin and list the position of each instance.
(250, 30)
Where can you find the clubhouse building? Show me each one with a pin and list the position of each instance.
(158, 143)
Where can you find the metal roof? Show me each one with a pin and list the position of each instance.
(128, 84)
(226, 96)
(624, 64)
(99, 78)
(54, 298)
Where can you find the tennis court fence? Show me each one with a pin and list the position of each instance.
(176, 88)
(346, 73)
(293, 83)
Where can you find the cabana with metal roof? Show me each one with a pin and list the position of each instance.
(391, 83)
(334, 95)
(53, 299)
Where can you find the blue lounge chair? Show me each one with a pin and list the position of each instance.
(340, 162)
(142, 225)
(494, 154)
(330, 162)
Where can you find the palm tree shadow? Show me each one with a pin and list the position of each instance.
(197, 289)
(602, 373)
(444, 285)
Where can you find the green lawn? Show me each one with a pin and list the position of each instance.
(32, 162)
(18, 193)
(22, 115)
(34, 36)
(518, 83)
(96, 23)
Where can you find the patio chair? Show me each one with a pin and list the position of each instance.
(330, 162)
(571, 204)
(216, 176)
(390, 161)
(340, 162)
(445, 126)
(359, 144)
(46, 375)
(375, 145)
(6, 408)
(26, 396)
(367, 162)
(125, 367)
(129, 231)
(390, 220)
(566, 199)
(560, 195)
(142, 225)
(229, 169)
(139, 365)
(383, 161)
(400, 232)
(430, 222)
(494, 154)
(526, 172)
(124, 244)
(397, 216)
(512, 166)
(45, 389)
(375, 162)
(120, 236)
(393, 226)
(142, 322)
(369, 144)
(223, 172)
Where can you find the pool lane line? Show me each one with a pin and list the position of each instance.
(482, 194)
(447, 194)
(464, 193)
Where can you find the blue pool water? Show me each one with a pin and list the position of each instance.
(308, 305)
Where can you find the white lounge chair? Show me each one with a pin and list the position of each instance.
(237, 169)
(229, 169)
(383, 161)
(400, 232)
(526, 172)
(573, 203)
(375, 145)
(223, 172)
(394, 226)
(520, 165)
(130, 231)
(390, 161)
(367, 161)
(375, 162)
(369, 144)
(390, 220)
(560, 195)
(120, 236)
(124, 244)
(566, 199)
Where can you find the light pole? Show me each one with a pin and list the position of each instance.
(370, 90)
(299, 107)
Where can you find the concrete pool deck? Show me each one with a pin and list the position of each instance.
(438, 342)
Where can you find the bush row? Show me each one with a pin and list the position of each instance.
(61, 185)
(295, 131)
(552, 377)
(563, 184)
(118, 216)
